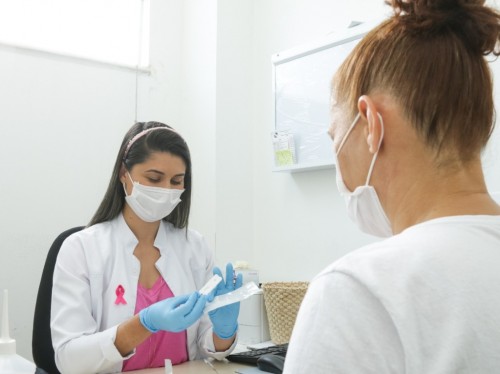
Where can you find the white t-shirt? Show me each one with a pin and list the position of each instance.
(425, 301)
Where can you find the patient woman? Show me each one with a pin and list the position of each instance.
(412, 109)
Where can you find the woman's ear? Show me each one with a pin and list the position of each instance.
(123, 172)
(375, 129)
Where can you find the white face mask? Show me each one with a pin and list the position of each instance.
(363, 204)
(152, 204)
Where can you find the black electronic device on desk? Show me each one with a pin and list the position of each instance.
(271, 363)
(267, 363)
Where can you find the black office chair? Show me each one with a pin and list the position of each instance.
(41, 345)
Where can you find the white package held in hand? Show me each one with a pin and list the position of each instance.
(242, 293)
(210, 285)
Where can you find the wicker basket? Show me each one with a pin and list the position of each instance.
(282, 300)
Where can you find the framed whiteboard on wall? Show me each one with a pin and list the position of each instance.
(301, 83)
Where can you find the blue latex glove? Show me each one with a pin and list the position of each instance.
(174, 314)
(225, 319)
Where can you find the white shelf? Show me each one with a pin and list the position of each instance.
(296, 168)
(301, 87)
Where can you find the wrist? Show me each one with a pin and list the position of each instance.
(227, 332)
(145, 320)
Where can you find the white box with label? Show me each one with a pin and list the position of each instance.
(252, 321)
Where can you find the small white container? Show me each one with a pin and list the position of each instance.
(10, 362)
(252, 321)
(168, 367)
(248, 274)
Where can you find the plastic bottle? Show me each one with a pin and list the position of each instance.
(10, 362)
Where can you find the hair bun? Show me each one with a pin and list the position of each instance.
(473, 22)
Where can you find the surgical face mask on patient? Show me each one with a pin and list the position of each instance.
(152, 204)
(363, 204)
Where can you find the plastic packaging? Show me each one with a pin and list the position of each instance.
(10, 362)
(242, 293)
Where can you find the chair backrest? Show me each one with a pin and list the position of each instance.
(43, 352)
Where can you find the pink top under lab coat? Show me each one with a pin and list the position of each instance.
(164, 344)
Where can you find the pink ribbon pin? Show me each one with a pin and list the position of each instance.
(120, 291)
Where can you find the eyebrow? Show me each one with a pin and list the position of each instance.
(162, 173)
(155, 171)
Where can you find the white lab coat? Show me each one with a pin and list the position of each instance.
(92, 264)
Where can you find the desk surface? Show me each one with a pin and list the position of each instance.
(197, 367)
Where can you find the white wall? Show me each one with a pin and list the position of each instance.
(299, 221)
(63, 120)
(234, 106)
(181, 91)
(59, 126)
(62, 123)
(293, 224)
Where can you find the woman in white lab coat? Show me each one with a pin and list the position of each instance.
(125, 288)
(412, 109)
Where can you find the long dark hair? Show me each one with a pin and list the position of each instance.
(153, 141)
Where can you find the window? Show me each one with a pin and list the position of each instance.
(112, 31)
